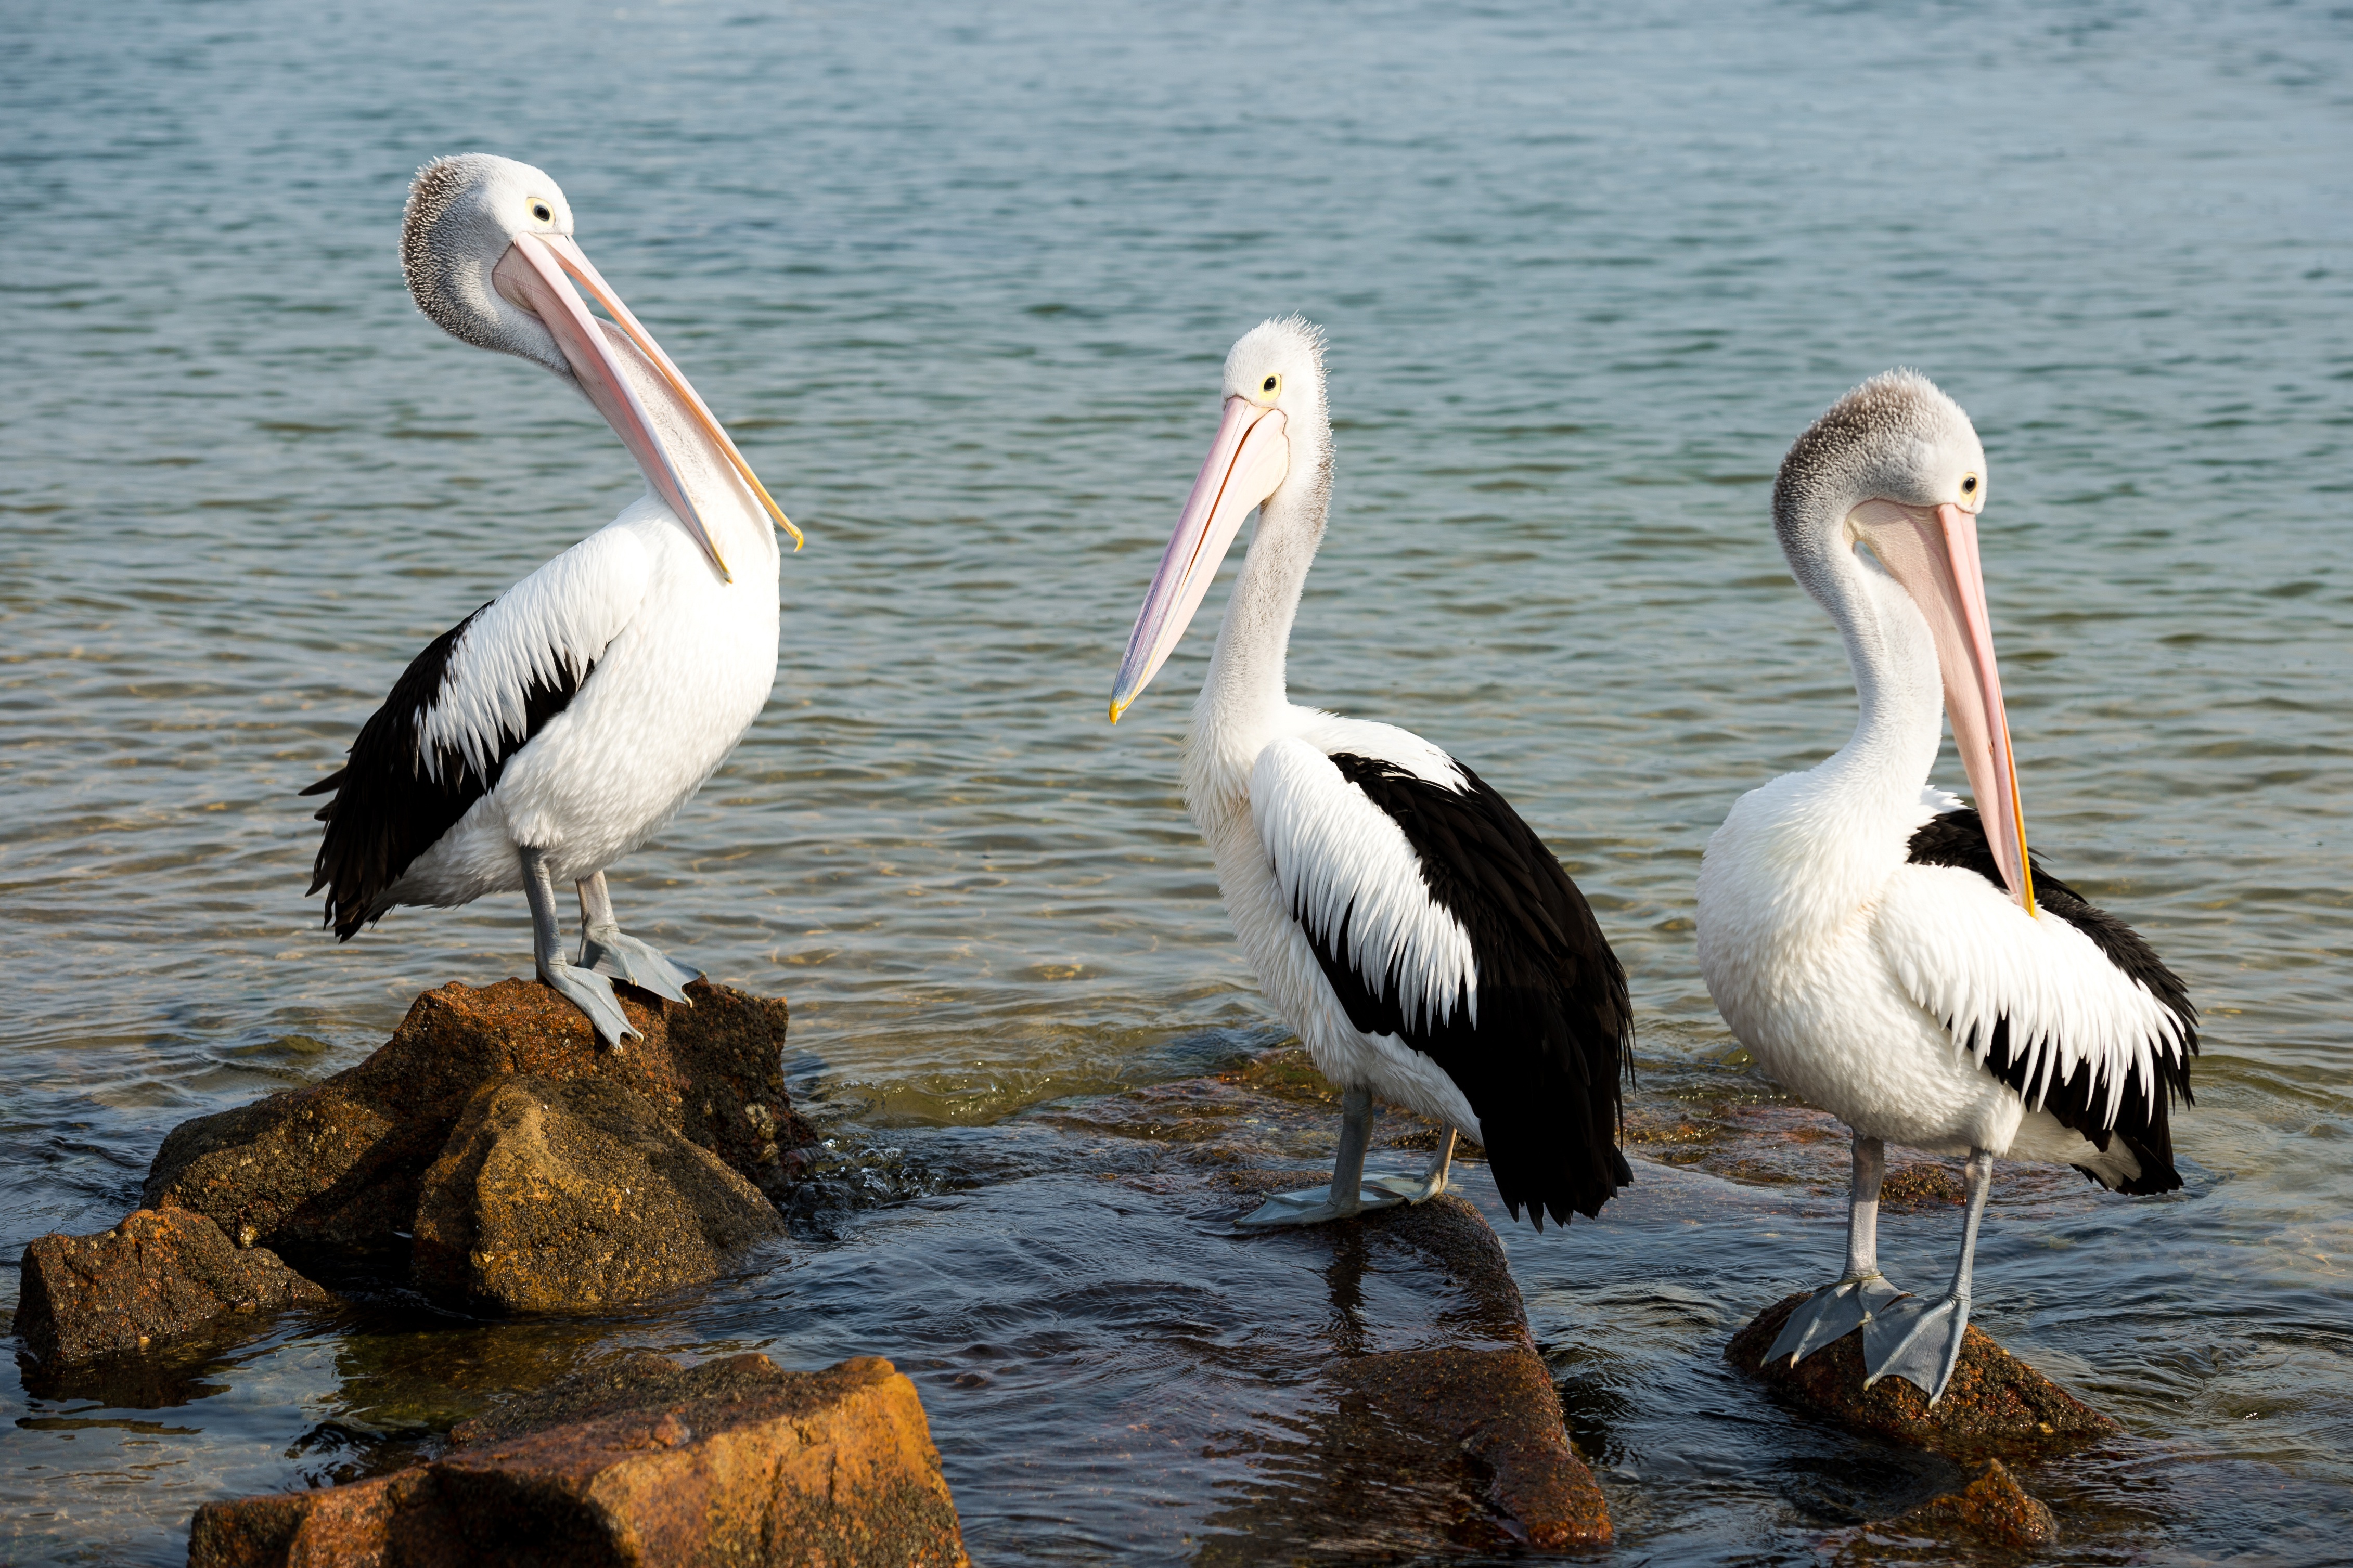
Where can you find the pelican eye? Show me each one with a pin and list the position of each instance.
(1968, 484)
(541, 211)
(1270, 388)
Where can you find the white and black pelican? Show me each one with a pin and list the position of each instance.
(1892, 956)
(1402, 917)
(551, 732)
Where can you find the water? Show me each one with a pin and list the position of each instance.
(959, 280)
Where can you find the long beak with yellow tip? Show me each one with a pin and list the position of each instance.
(535, 274)
(1246, 464)
(1933, 552)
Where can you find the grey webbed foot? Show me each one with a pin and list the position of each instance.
(1314, 1205)
(609, 950)
(1917, 1340)
(593, 994)
(1831, 1313)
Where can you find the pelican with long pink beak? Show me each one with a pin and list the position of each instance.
(1415, 932)
(1894, 955)
(554, 730)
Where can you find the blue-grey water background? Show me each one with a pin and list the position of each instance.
(960, 279)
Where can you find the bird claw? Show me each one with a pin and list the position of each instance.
(1916, 1340)
(593, 994)
(1314, 1205)
(1830, 1314)
(609, 950)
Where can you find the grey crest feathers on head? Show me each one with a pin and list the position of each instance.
(452, 236)
(1865, 446)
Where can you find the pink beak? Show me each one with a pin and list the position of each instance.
(1934, 553)
(533, 275)
(1246, 464)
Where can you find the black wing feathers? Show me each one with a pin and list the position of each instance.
(1957, 838)
(388, 809)
(1545, 1065)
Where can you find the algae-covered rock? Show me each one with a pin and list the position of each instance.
(154, 1277)
(328, 1175)
(736, 1462)
(1995, 1403)
(555, 1194)
(1993, 1509)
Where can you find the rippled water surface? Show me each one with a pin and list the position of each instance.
(960, 279)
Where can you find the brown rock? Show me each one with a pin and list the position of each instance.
(1401, 1410)
(735, 1462)
(1994, 1403)
(156, 1276)
(328, 1175)
(1993, 1507)
(555, 1194)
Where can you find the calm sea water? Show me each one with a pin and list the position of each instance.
(960, 279)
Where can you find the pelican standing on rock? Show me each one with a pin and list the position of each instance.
(1892, 956)
(551, 732)
(1418, 934)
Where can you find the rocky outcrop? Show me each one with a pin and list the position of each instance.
(555, 1194)
(156, 1276)
(1992, 1508)
(330, 1176)
(1995, 1403)
(736, 1462)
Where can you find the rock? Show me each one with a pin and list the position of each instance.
(1993, 1507)
(1995, 1403)
(1402, 1410)
(1403, 1428)
(734, 1462)
(156, 1276)
(328, 1175)
(571, 1193)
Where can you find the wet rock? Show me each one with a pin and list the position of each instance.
(735, 1461)
(157, 1276)
(1995, 1403)
(555, 1194)
(328, 1175)
(1478, 1417)
(1993, 1509)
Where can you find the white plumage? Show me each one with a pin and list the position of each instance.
(556, 728)
(1895, 957)
(1424, 944)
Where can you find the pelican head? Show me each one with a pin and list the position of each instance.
(1273, 449)
(1896, 465)
(486, 245)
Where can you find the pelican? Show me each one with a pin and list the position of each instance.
(1894, 955)
(551, 732)
(1416, 933)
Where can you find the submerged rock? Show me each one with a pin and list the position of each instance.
(735, 1461)
(330, 1176)
(158, 1275)
(556, 1194)
(1993, 1509)
(1403, 1431)
(1995, 1403)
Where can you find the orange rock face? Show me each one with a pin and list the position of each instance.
(156, 1276)
(734, 1462)
(1993, 1507)
(570, 1195)
(1995, 1403)
(329, 1175)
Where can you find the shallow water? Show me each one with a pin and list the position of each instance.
(959, 281)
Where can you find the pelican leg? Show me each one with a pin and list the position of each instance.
(1349, 1194)
(607, 948)
(1432, 1180)
(589, 992)
(1920, 1340)
(1862, 1292)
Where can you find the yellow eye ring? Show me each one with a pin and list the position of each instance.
(542, 211)
(1270, 389)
